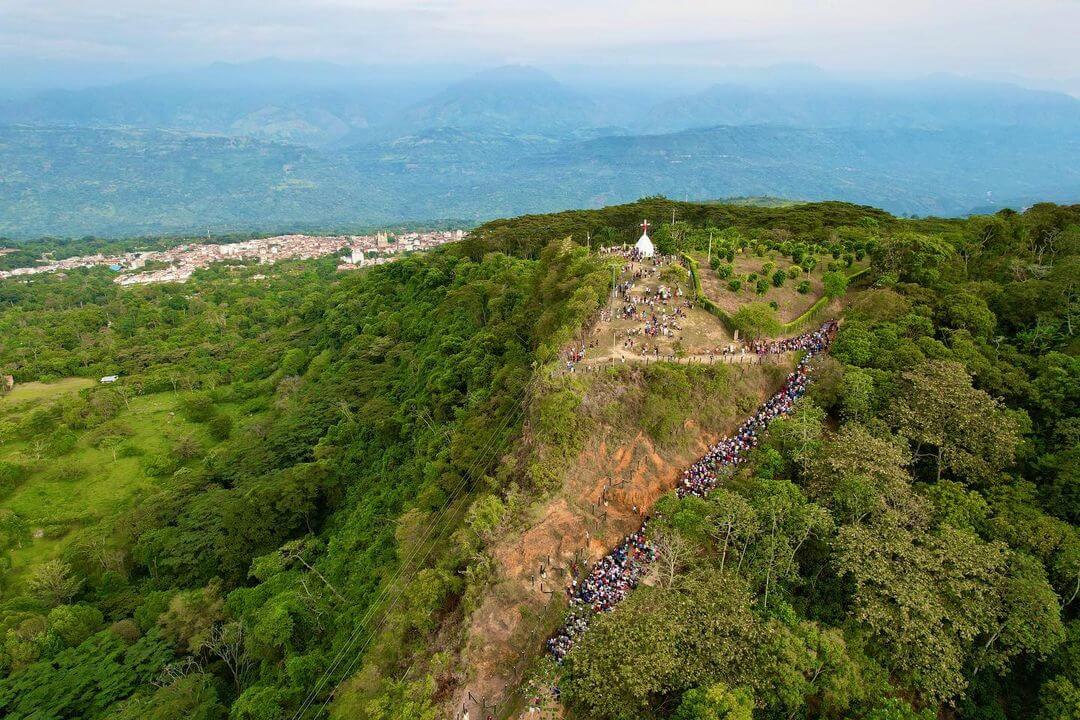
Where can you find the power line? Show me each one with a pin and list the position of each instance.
(441, 516)
(492, 452)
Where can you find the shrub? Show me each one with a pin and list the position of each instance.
(778, 278)
(197, 407)
(61, 442)
(220, 426)
(762, 286)
(66, 471)
(12, 475)
(724, 271)
(666, 404)
(804, 287)
(129, 450)
(158, 465)
(734, 285)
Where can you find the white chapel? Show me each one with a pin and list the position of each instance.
(644, 245)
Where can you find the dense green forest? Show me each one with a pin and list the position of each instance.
(284, 507)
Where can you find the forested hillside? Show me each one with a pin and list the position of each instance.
(294, 500)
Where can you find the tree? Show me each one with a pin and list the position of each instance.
(755, 320)
(192, 616)
(896, 709)
(910, 256)
(785, 522)
(835, 284)
(1059, 699)
(863, 478)
(716, 702)
(926, 597)
(700, 635)
(1029, 619)
(189, 697)
(52, 582)
(962, 429)
(732, 523)
(671, 554)
(226, 642)
(857, 393)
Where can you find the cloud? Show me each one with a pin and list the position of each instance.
(918, 35)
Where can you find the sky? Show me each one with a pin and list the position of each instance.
(1029, 38)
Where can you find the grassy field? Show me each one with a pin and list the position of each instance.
(26, 392)
(791, 303)
(94, 480)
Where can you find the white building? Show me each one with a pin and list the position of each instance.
(644, 244)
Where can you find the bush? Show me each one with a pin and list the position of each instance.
(220, 426)
(40, 422)
(12, 475)
(734, 285)
(197, 407)
(66, 471)
(129, 450)
(804, 287)
(158, 465)
(666, 404)
(762, 286)
(724, 271)
(61, 442)
(778, 278)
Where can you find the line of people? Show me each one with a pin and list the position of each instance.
(609, 581)
(616, 574)
(799, 342)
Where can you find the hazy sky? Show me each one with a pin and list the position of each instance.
(1034, 38)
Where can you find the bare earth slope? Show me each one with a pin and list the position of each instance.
(615, 478)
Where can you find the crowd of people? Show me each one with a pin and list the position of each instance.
(808, 342)
(615, 575)
(609, 581)
(701, 477)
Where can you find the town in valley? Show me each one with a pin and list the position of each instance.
(177, 264)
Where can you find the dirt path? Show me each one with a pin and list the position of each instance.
(612, 484)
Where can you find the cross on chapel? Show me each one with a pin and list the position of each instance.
(644, 245)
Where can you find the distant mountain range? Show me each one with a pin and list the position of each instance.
(279, 146)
